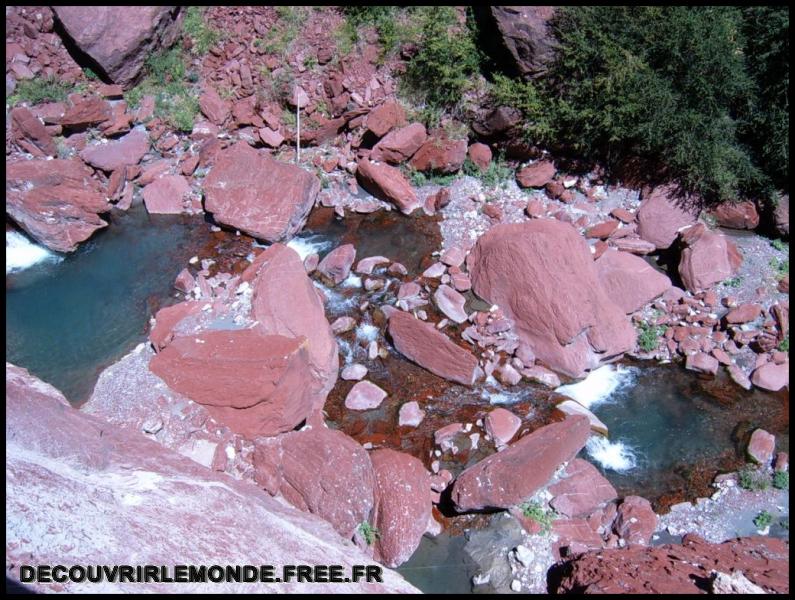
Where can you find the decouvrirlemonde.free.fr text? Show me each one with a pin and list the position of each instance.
(199, 573)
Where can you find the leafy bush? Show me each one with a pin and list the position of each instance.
(369, 533)
(733, 282)
(34, 91)
(649, 336)
(784, 344)
(447, 59)
(701, 90)
(780, 245)
(781, 480)
(763, 519)
(753, 479)
(167, 79)
(534, 511)
(201, 34)
(497, 173)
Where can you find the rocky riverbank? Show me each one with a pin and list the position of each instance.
(373, 286)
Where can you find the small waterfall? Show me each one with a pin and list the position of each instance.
(598, 386)
(21, 253)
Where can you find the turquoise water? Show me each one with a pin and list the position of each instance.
(666, 424)
(68, 320)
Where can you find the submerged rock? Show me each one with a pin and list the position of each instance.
(572, 325)
(512, 476)
(249, 190)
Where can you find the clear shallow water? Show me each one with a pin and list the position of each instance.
(440, 566)
(665, 423)
(68, 319)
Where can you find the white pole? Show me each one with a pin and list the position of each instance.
(298, 132)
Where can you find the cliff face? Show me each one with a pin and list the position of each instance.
(80, 491)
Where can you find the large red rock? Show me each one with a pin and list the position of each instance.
(543, 277)
(737, 215)
(31, 134)
(56, 201)
(167, 195)
(510, 477)
(707, 258)
(336, 265)
(215, 108)
(771, 376)
(663, 213)
(674, 568)
(400, 145)
(116, 154)
(387, 116)
(480, 155)
(86, 112)
(428, 347)
(386, 183)
(536, 175)
(636, 521)
(501, 425)
(167, 318)
(761, 447)
(524, 32)
(255, 384)
(126, 487)
(319, 470)
(119, 39)
(263, 197)
(402, 505)
(581, 491)
(629, 281)
(440, 155)
(285, 303)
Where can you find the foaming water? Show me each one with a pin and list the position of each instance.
(312, 244)
(352, 281)
(21, 253)
(366, 332)
(612, 456)
(336, 303)
(599, 385)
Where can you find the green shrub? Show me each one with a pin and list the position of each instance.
(420, 178)
(201, 34)
(780, 245)
(753, 479)
(369, 533)
(498, 172)
(763, 519)
(34, 91)
(784, 344)
(781, 480)
(700, 90)
(446, 61)
(733, 282)
(167, 79)
(649, 336)
(534, 511)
